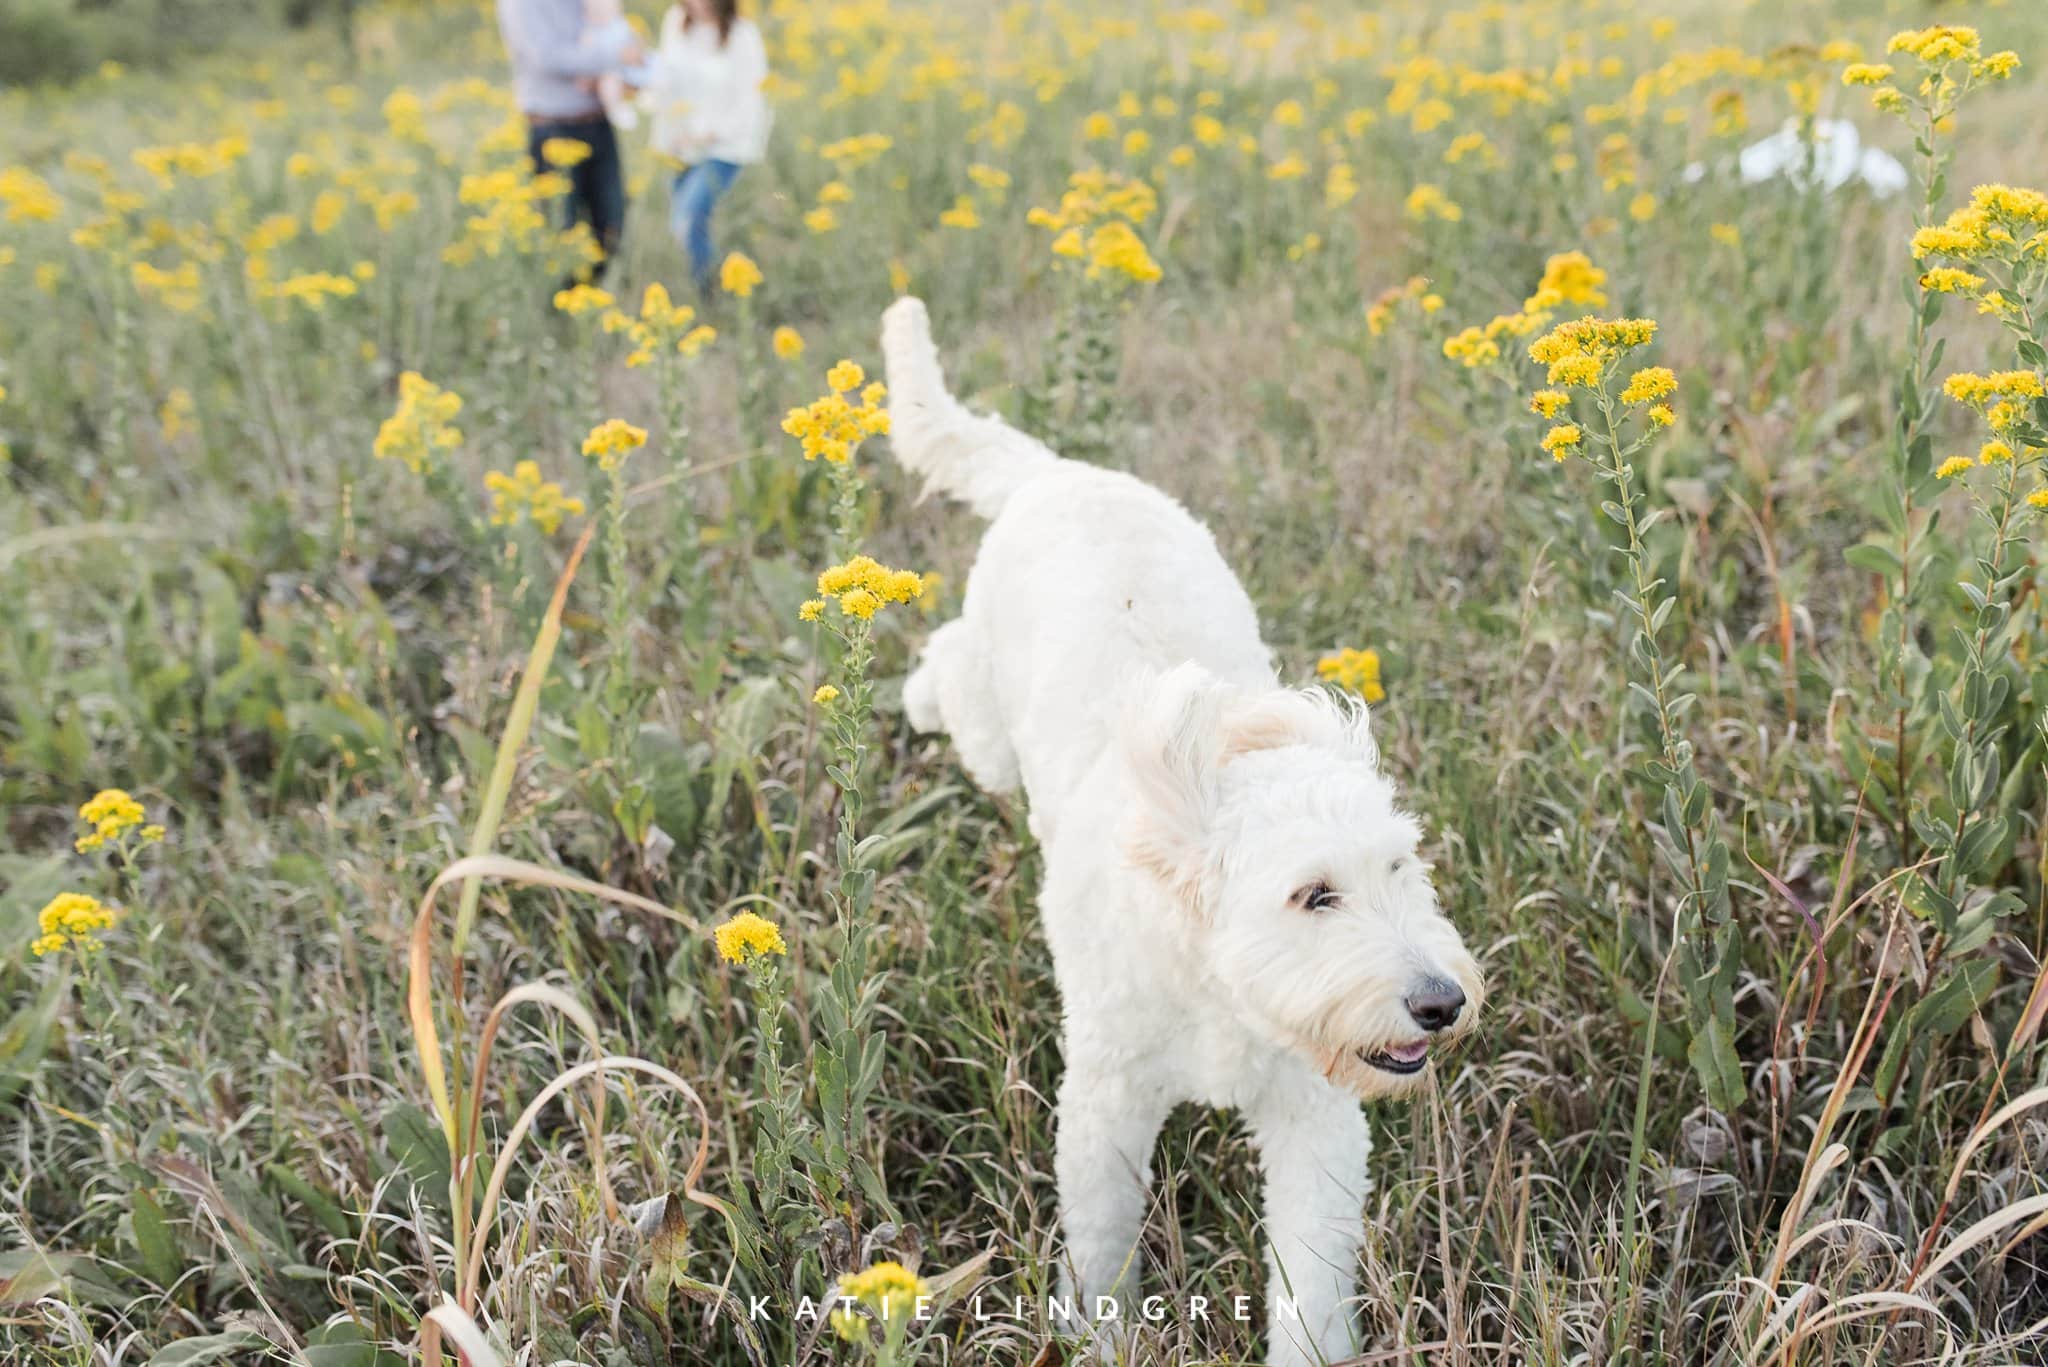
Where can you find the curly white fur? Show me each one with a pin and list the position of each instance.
(1235, 906)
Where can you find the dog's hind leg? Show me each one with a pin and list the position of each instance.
(1102, 1156)
(1313, 1144)
(952, 691)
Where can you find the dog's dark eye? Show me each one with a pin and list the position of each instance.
(1400, 863)
(1315, 897)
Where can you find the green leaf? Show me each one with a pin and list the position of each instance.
(1713, 1057)
(1873, 558)
(420, 1150)
(154, 1242)
(210, 1348)
(317, 1203)
(1944, 1010)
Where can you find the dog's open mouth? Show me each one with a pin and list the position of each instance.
(1399, 1058)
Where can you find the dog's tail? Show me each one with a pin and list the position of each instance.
(980, 461)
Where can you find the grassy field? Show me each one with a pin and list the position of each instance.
(1730, 718)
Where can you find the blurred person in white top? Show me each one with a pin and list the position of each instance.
(704, 86)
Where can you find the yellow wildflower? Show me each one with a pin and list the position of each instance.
(1545, 403)
(1953, 466)
(739, 275)
(747, 937)
(1560, 439)
(1950, 280)
(524, 494)
(578, 300)
(422, 424)
(1357, 671)
(74, 919)
(863, 587)
(110, 812)
(888, 1289)
(611, 441)
(788, 343)
(563, 153)
(825, 696)
(1977, 390)
(1649, 384)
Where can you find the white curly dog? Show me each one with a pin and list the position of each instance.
(1234, 902)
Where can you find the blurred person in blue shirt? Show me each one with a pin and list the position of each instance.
(559, 50)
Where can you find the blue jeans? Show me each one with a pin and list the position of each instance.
(690, 199)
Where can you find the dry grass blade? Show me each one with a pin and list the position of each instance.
(2030, 1019)
(562, 1082)
(1817, 1168)
(475, 869)
(1864, 1306)
(586, 1025)
(420, 987)
(464, 1332)
(1986, 1228)
(517, 723)
(1981, 1135)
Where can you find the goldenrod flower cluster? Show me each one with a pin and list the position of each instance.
(1427, 201)
(564, 152)
(71, 918)
(1579, 352)
(315, 288)
(862, 588)
(524, 494)
(1379, 314)
(888, 1289)
(1355, 670)
(739, 275)
(192, 160)
(1584, 353)
(1648, 385)
(1096, 222)
(1570, 279)
(27, 197)
(848, 153)
(580, 299)
(1980, 390)
(787, 343)
(422, 424)
(1953, 63)
(834, 425)
(611, 441)
(662, 323)
(510, 212)
(2001, 222)
(177, 288)
(112, 814)
(747, 937)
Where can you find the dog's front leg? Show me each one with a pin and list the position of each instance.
(1313, 1144)
(1102, 1157)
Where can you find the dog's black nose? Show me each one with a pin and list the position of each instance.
(1435, 1004)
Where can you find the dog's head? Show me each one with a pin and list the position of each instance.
(1265, 816)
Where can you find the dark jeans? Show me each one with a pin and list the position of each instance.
(597, 189)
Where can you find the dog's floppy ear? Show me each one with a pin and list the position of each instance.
(1312, 716)
(1172, 739)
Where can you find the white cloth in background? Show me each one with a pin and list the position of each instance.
(1835, 157)
(705, 97)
